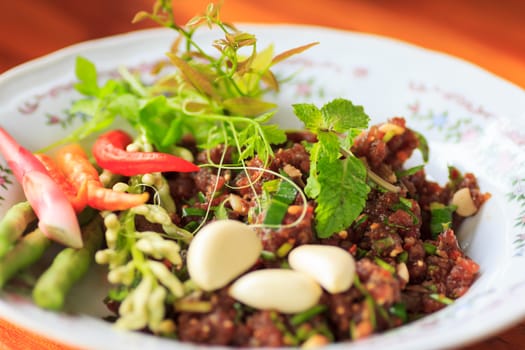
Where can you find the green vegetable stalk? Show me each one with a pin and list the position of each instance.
(69, 266)
(25, 253)
(13, 225)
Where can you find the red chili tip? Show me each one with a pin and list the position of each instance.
(110, 153)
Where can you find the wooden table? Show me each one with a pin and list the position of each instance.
(488, 33)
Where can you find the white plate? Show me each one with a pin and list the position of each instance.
(472, 119)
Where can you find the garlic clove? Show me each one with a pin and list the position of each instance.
(283, 290)
(220, 252)
(463, 200)
(332, 267)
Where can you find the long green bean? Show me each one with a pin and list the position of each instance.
(13, 225)
(69, 266)
(25, 253)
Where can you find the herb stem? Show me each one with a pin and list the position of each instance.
(372, 175)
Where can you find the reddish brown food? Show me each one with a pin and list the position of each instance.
(403, 271)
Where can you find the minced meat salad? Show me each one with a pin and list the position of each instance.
(404, 267)
(220, 228)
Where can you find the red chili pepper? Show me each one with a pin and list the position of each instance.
(74, 163)
(77, 197)
(56, 216)
(110, 153)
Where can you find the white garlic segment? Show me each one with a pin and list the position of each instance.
(463, 200)
(220, 252)
(332, 267)
(402, 272)
(283, 290)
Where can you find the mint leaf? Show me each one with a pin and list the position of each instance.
(340, 115)
(313, 188)
(310, 115)
(338, 184)
(343, 195)
(329, 143)
(86, 73)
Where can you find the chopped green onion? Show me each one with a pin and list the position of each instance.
(383, 244)
(307, 315)
(202, 197)
(430, 249)
(191, 211)
(383, 264)
(191, 226)
(399, 310)
(280, 202)
(283, 250)
(352, 330)
(360, 253)
(441, 298)
(370, 304)
(405, 204)
(402, 257)
(275, 213)
(267, 255)
(361, 219)
(408, 172)
(271, 186)
(220, 212)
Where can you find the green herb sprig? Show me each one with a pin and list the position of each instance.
(337, 179)
(206, 93)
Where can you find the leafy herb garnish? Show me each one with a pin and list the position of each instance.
(337, 183)
(216, 95)
(440, 217)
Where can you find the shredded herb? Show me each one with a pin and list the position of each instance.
(305, 316)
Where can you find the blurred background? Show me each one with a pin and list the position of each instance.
(486, 32)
